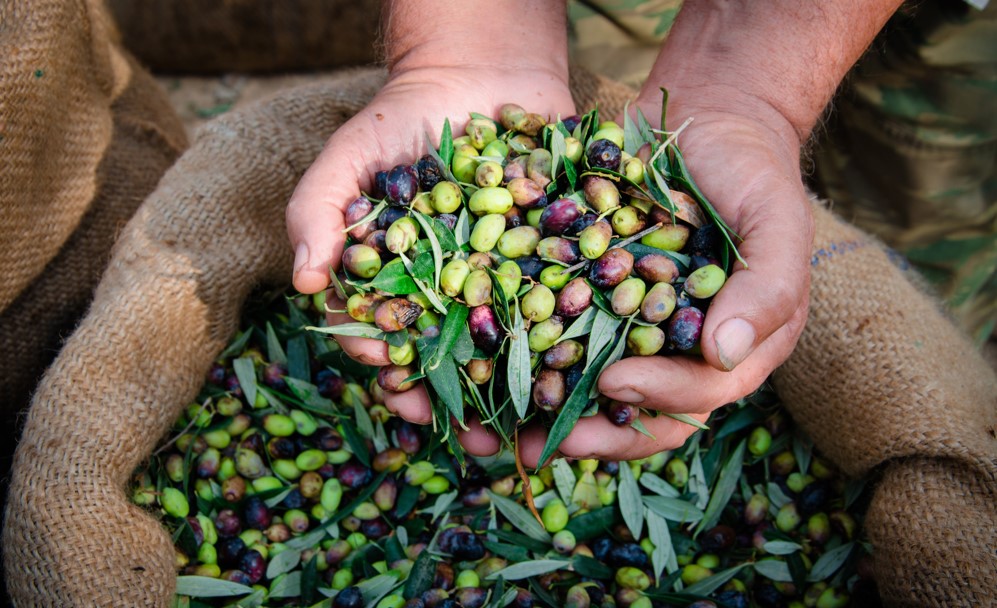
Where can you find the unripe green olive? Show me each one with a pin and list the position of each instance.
(517, 242)
(627, 296)
(554, 516)
(494, 200)
(594, 240)
(670, 237)
(543, 335)
(538, 167)
(509, 276)
(478, 288)
(645, 341)
(445, 197)
(555, 277)
(453, 275)
(488, 174)
(705, 281)
(538, 303)
(362, 261)
(402, 235)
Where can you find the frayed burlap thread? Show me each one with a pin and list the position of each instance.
(884, 382)
(210, 233)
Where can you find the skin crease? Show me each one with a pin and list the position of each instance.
(755, 83)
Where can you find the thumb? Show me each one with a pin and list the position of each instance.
(765, 294)
(315, 212)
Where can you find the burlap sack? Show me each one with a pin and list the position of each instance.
(211, 36)
(168, 302)
(882, 380)
(85, 135)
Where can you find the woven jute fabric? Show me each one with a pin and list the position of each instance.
(213, 36)
(85, 135)
(169, 300)
(884, 383)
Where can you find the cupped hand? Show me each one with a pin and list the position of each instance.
(391, 130)
(749, 169)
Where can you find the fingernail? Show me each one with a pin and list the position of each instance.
(735, 339)
(300, 257)
(627, 395)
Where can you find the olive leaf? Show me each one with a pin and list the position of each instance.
(274, 350)
(774, 569)
(629, 498)
(519, 517)
(712, 583)
(427, 228)
(206, 586)
(724, 488)
(363, 330)
(309, 396)
(237, 345)
(658, 485)
(430, 294)
(454, 324)
(590, 567)
(245, 372)
(603, 332)
(446, 383)
(581, 326)
(284, 561)
(298, 365)
(421, 576)
(518, 364)
(530, 569)
(462, 229)
(687, 419)
(374, 213)
(674, 509)
(573, 407)
(564, 479)
(663, 555)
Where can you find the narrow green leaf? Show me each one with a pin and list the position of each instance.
(274, 350)
(803, 450)
(245, 372)
(463, 347)
(663, 555)
(571, 172)
(298, 365)
(454, 324)
(237, 345)
(558, 148)
(638, 425)
(632, 138)
(205, 586)
(777, 497)
(518, 365)
(431, 294)
(573, 407)
(629, 498)
(283, 562)
(520, 540)
(658, 485)
(309, 580)
(673, 509)
(310, 397)
(444, 156)
(646, 131)
(427, 228)
(446, 382)
(712, 583)
(603, 332)
(591, 567)
(687, 419)
(365, 426)
(421, 576)
(446, 143)
(581, 326)
(564, 479)
(519, 517)
(462, 229)
(444, 235)
(829, 563)
(594, 523)
(774, 569)
(529, 569)
(724, 488)
(781, 547)
(698, 485)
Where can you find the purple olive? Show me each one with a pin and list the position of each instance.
(408, 437)
(253, 564)
(684, 327)
(388, 217)
(402, 184)
(356, 211)
(560, 249)
(354, 475)
(604, 154)
(558, 216)
(515, 169)
(704, 240)
(549, 390)
(380, 184)
(526, 194)
(229, 550)
(485, 329)
(611, 268)
(531, 266)
(227, 523)
(564, 354)
(574, 298)
(622, 414)
(327, 438)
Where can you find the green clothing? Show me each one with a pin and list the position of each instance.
(910, 151)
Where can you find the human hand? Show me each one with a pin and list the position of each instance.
(391, 130)
(749, 169)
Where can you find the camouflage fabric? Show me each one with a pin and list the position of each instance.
(910, 152)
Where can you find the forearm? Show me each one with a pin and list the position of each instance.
(486, 34)
(786, 57)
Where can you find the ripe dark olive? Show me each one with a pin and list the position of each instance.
(429, 173)
(685, 327)
(611, 268)
(558, 216)
(486, 333)
(402, 184)
(604, 154)
(574, 298)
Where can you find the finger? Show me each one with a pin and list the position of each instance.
(412, 405)
(690, 384)
(364, 350)
(761, 297)
(531, 445)
(314, 214)
(597, 437)
(477, 439)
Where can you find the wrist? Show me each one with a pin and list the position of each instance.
(497, 35)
